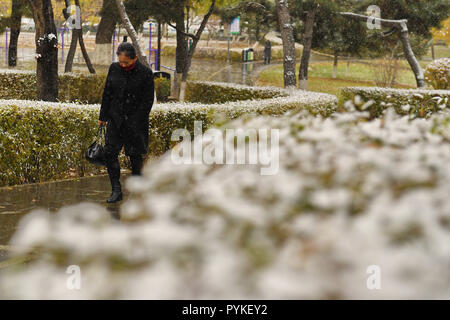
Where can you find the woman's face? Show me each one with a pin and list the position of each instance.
(125, 61)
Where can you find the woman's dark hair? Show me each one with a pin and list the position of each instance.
(128, 49)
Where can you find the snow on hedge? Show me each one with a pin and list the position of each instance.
(437, 73)
(238, 86)
(33, 72)
(62, 131)
(16, 71)
(350, 194)
(295, 99)
(81, 88)
(417, 102)
(402, 92)
(40, 104)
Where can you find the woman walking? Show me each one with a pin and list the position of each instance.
(126, 104)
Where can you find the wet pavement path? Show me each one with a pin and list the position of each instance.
(17, 201)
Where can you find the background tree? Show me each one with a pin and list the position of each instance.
(304, 11)
(131, 32)
(11, 17)
(46, 50)
(138, 12)
(442, 34)
(422, 17)
(321, 27)
(415, 35)
(257, 18)
(287, 35)
(77, 36)
(339, 36)
(190, 54)
(109, 19)
(173, 12)
(17, 8)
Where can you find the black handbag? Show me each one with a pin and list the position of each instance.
(95, 154)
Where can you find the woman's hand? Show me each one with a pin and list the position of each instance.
(101, 123)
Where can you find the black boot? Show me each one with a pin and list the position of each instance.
(114, 177)
(136, 165)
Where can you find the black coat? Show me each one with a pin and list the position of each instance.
(128, 98)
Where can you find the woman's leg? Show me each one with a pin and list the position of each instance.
(113, 167)
(136, 164)
(113, 146)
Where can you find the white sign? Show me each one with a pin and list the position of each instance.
(235, 26)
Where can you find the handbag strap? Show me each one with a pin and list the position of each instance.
(100, 133)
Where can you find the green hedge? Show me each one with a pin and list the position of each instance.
(420, 103)
(162, 89)
(221, 54)
(217, 92)
(77, 88)
(44, 141)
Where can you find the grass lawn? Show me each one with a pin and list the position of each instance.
(359, 73)
(320, 77)
(440, 52)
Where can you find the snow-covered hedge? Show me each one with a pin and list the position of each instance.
(88, 89)
(437, 74)
(218, 92)
(80, 88)
(39, 142)
(42, 141)
(420, 103)
(352, 199)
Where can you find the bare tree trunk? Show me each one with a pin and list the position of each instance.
(196, 39)
(432, 49)
(306, 54)
(73, 43)
(335, 65)
(103, 45)
(46, 50)
(131, 32)
(395, 75)
(77, 36)
(284, 20)
(347, 68)
(412, 60)
(180, 54)
(72, 50)
(107, 22)
(16, 18)
(394, 61)
(86, 57)
(403, 34)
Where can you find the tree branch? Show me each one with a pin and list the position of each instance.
(202, 25)
(398, 24)
(193, 36)
(246, 4)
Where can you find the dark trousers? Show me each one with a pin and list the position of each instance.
(116, 139)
